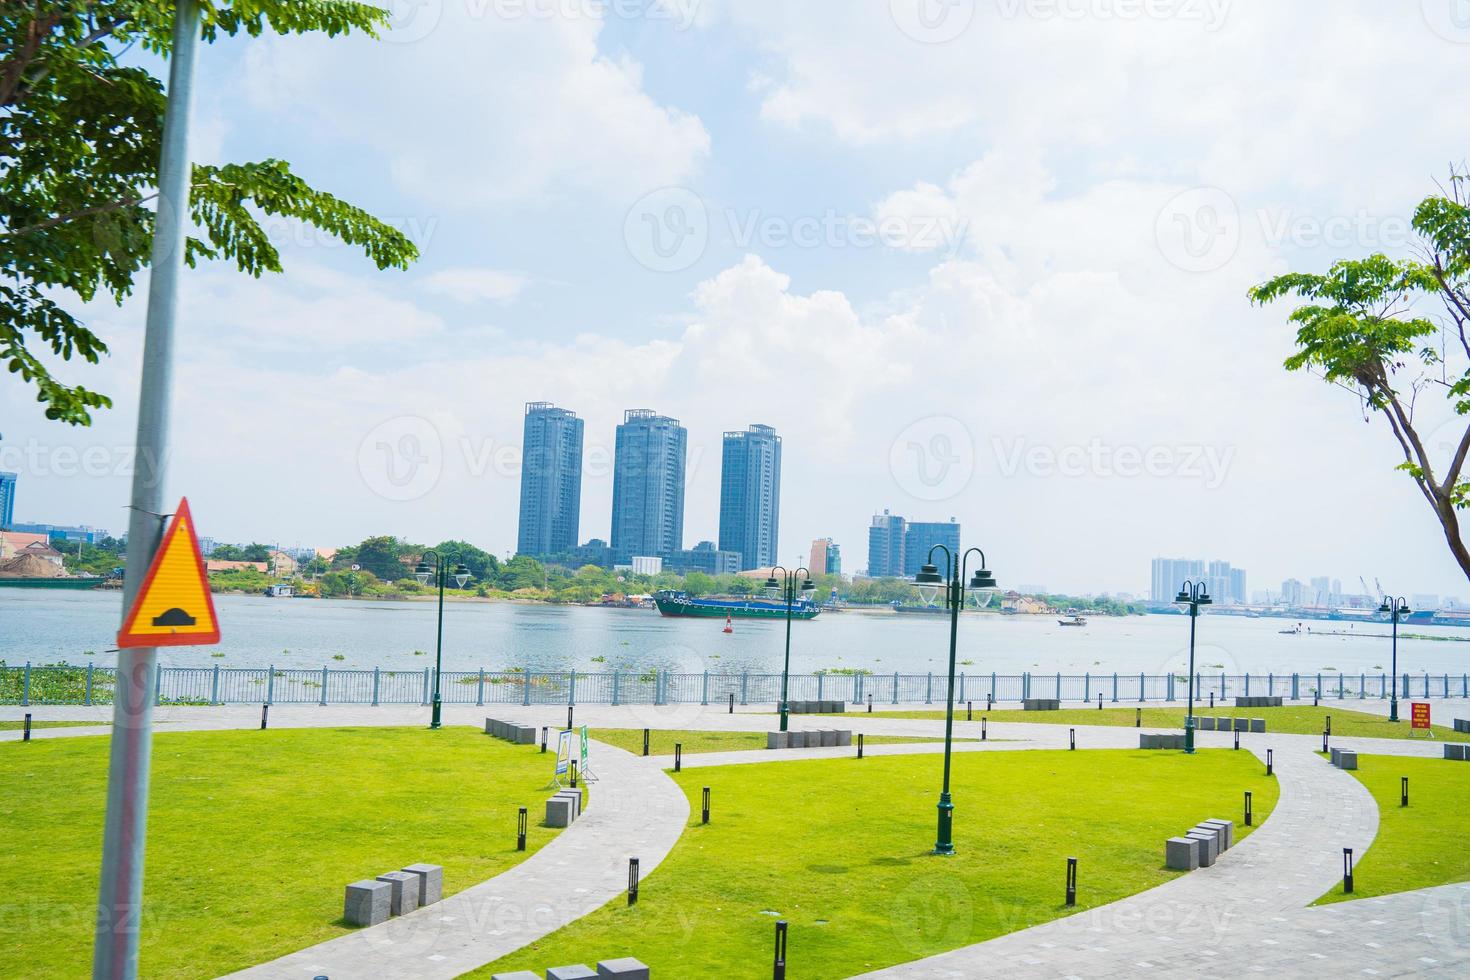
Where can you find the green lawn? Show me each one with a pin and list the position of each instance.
(15, 726)
(1287, 720)
(839, 848)
(1417, 846)
(252, 836)
(662, 742)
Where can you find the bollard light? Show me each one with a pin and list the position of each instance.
(1248, 815)
(732, 704)
(1324, 741)
(870, 704)
(569, 717)
(1268, 762)
(645, 741)
(1099, 702)
(574, 773)
(544, 730)
(1212, 699)
(1237, 738)
(1072, 738)
(989, 701)
(521, 830)
(1403, 791)
(969, 711)
(1327, 724)
(1137, 717)
(265, 711)
(1347, 870)
(1071, 882)
(983, 720)
(860, 745)
(678, 756)
(632, 881)
(1316, 699)
(704, 813)
(778, 966)
(27, 736)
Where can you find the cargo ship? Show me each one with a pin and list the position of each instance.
(671, 603)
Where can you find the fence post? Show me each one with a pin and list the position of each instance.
(1271, 684)
(992, 686)
(480, 690)
(88, 697)
(1140, 684)
(820, 677)
(572, 687)
(213, 686)
(1247, 683)
(1295, 686)
(895, 687)
(525, 685)
(1059, 685)
(25, 687)
(1115, 687)
(1087, 686)
(1169, 688)
(704, 690)
(158, 685)
(1426, 683)
(929, 689)
(615, 688)
(324, 686)
(1341, 693)
(962, 685)
(744, 687)
(377, 680)
(270, 684)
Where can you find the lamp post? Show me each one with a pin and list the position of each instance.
(1194, 595)
(440, 571)
(1396, 608)
(788, 584)
(929, 582)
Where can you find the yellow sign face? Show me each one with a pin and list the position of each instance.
(174, 607)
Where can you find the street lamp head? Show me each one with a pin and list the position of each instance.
(928, 575)
(771, 583)
(1404, 610)
(808, 587)
(1204, 598)
(1182, 596)
(461, 575)
(421, 572)
(1384, 608)
(981, 580)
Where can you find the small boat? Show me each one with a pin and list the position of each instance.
(729, 625)
(674, 603)
(1073, 618)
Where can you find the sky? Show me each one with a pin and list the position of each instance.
(981, 259)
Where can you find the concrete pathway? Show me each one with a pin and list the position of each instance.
(634, 810)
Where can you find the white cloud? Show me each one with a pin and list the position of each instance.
(469, 285)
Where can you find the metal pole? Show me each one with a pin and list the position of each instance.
(1393, 703)
(120, 895)
(786, 668)
(945, 842)
(438, 643)
(1189, 717)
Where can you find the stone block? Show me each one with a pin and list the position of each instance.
(368, 903)
(1146, 741)
(559, 812)
(829, 737)
(838, 707)
(1041, 704)
(797, 708)
(796, 740)
(1333, 755)
(489, 726)
(1242, 724)
(525, 736)
(1209, 849)
(1258, 726)
(1347, 759)
(1181, 853)
(844, 737)
(517, 975)
(1205, 724)
(1227, 831)
(776, 740)
(1462, 725)
(499, 731)
(1456, 751)
(1223, 724)
(575, 796)
(578, 971)
(405, 891)
(431, 882)
(624, 968)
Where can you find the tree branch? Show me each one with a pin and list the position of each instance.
(62, 219)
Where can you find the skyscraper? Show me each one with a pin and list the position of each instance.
(885, 546)
(648, 485)
(826, 557)
(750, 495)
(1171, 573)
(920, 536)
(551, 480)
(7, 499)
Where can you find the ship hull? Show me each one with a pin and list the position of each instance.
(50, 583)
(734, 609)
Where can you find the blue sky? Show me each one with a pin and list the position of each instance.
(1022, 305)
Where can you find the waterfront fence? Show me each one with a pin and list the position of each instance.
(83, 685)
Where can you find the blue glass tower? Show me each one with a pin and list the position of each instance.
(551, 480)
(648, 485)
(750, 495)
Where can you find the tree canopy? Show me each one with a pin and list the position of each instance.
(80, 135)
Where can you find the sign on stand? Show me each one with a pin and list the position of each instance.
(583, 767)
(563, 755)
(1419, 719)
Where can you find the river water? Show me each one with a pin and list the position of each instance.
(77, 627)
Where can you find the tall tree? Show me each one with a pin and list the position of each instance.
(80, 134)
(1363, 330)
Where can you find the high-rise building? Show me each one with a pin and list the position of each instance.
(551, 480)
(1293, 592)
(920, 536)
(885, 546)
(7, 499)
(1320, 593)
(750, 495)
(826, 558)
(1237, 585)
(1171, 573)
(648, 484)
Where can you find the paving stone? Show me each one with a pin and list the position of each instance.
(368, 903)
(405, 891)
(623, 968)
(431, 882)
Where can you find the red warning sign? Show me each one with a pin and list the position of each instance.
(174, 607)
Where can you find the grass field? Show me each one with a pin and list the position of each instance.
(840, 849)
(1287, 720)
(1417, 846)
(662, 742)
(251, 836)
(15, 726)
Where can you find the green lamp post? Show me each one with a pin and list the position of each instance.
(1396, 608)
(1194, 595)
(787, 585)
(929, 581)
(440, 571)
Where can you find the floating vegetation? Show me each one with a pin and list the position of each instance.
(599, 659)
(339, 656)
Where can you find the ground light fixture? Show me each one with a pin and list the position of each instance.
(787, 586)
(1193, 595)
(929, 582)
(439, 570)
(1397, 609)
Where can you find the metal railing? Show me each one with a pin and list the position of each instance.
(85, 685)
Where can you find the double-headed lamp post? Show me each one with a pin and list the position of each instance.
(1193, 595)
(929, 581)
(1396, 608)
(787, 583)
(440, 571)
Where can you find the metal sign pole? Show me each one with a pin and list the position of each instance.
(120, 896)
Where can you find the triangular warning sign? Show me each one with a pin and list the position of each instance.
(174, 606)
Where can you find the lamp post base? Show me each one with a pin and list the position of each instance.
(944, 846)
(1393, 710)
(1189, 735)
(783, 716)
(434, 718)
